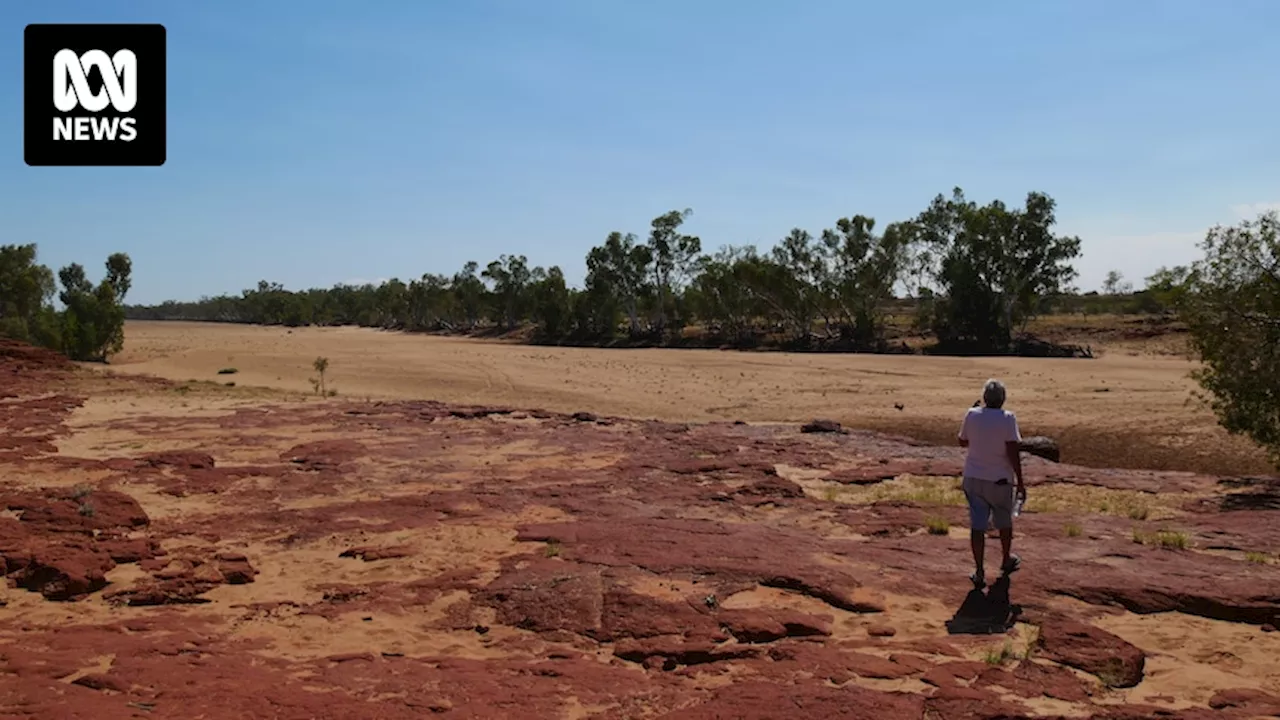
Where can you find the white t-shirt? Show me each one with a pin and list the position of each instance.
(987, 430)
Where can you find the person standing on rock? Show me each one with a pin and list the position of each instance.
(992, 476)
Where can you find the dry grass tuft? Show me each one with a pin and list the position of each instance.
(908, 488)
(1168, 539)
(1083, 499)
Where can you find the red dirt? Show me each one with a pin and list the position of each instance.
(410, 559)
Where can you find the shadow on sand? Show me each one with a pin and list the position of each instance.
(985, 613)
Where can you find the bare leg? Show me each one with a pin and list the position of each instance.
(978, 539)
(1006, 545)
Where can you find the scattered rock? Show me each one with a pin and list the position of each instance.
(582, 416)
(180, 459)
(680, 650)
(883, 631)
(98, 681)
(477, 413)
(772, 488)
(64, 572)
(822, 426)
(349, 657)
(1114, 661)
(1041, 446)
(369, 554)
(1254, 702)
(235, 568)
(178, 591)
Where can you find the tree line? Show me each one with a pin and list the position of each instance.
(90, 325)
(975, 274)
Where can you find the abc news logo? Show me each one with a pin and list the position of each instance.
(108, 101)
(71, 90)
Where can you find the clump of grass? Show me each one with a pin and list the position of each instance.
(1033, 641)
(228, 371)
(937, 525)
(1134, 505)
(81, 492)
(86, 510)
(1073, 530)
(908, 488)
(1168, 539)
(1000, 655)
(553, 548)
(1258, 558)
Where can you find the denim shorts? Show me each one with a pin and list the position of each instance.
(988, 501)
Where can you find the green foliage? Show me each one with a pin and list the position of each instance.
(91, 327)
(972, 274)
(1230, 302)
(512, 285)
(93, 321)
(321, 365)
(991, 264)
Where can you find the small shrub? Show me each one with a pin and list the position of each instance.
(81, 492)
(1258, 558)
(831, 493)
(333, 392)
(230, 383)
(1167, 539)
(86, 509)
(228, 371)
(553, 549)
(937, 525)
(1033, 642)
(1073, 530)
(320, 365)
(1000, 655)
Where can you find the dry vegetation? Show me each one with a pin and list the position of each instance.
(1132, 407)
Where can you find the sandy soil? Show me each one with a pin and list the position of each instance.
(1128, 408)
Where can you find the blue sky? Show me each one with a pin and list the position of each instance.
(318, 142)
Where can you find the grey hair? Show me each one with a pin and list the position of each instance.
(993, 394)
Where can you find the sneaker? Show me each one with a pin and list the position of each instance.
(1012, 566)
(978, 579)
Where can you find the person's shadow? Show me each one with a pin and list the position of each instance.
(989, 613)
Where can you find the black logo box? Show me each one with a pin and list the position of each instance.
(42, 42)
